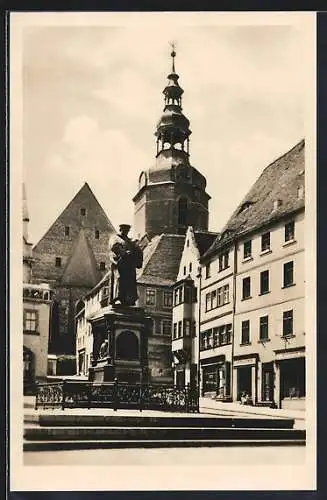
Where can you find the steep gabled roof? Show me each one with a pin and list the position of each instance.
(161, 260)
(71, 214)
(204, 240)
(273, 196)
(81, 269)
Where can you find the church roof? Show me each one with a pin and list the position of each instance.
(272, 197)
(81, 269)
(161, 260)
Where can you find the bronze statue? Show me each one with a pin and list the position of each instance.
(125, 256)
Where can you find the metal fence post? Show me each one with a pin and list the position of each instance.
(36, 396)
(141, 398)
(187, 399)
(115, 394)
(63, 395)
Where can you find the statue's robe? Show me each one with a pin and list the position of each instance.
(125, 257)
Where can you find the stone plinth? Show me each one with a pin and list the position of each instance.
(120, 344)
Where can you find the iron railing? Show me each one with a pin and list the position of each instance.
(116, 395)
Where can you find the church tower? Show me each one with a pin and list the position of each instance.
(172, 194)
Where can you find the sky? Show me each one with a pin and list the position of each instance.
(92, 96)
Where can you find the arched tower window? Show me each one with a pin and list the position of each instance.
(127, 346)
(182, 211)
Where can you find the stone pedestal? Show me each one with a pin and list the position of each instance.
(124, 355)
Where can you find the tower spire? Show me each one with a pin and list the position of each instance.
(173, 127)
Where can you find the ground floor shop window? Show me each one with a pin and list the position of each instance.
(244, 381)
(292, 378)
(180, 378)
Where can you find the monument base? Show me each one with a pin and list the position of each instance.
(124, 330)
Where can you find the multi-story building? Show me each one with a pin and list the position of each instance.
(217, 316)
(72, 256)
(186, 290)
(36, 314)
(263, 243)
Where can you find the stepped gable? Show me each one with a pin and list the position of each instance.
(162, 261)
(81, 269)
(273, 196)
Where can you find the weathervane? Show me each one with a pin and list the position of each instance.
(173, 54)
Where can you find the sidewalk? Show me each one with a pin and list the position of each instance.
(207, 405)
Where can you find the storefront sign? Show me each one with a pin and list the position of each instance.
(244, 362)
(289, 355)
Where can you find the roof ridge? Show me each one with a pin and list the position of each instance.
(81, 234)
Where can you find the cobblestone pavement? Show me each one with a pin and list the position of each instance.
(274, 455)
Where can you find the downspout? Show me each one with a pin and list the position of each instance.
(199, 323)
(233, 318)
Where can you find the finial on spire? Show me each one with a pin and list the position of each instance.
(173, 55)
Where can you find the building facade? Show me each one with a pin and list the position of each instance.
(186, 312)
(37, 299)
(260, 257)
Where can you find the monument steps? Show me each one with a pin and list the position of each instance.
(153, 433)
(157, 443)
(141, 420)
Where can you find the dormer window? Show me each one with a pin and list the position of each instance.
(245, 206)
(277, 204)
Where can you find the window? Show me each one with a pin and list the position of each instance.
(184, 270)
(208, 270)
(150, 297)
(223, 261)
(102, 266)
(58, 261)
(288, 274)
(175, 331)
(187, 327)
(167, 299)
(179, 334)
(289, 231)
(247, 249)
(96, 234)
(265, 242)
(208, 301)
(263, 328)
(287, 323)
(190, 267)
(246, 288)
(225, 294)
(83, 212)
(166, 327)
(245, 332)
(264, 282)
(30, 319)
(67, 230)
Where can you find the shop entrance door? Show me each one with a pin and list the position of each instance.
(267, 382)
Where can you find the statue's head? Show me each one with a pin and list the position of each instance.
(124, 229)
